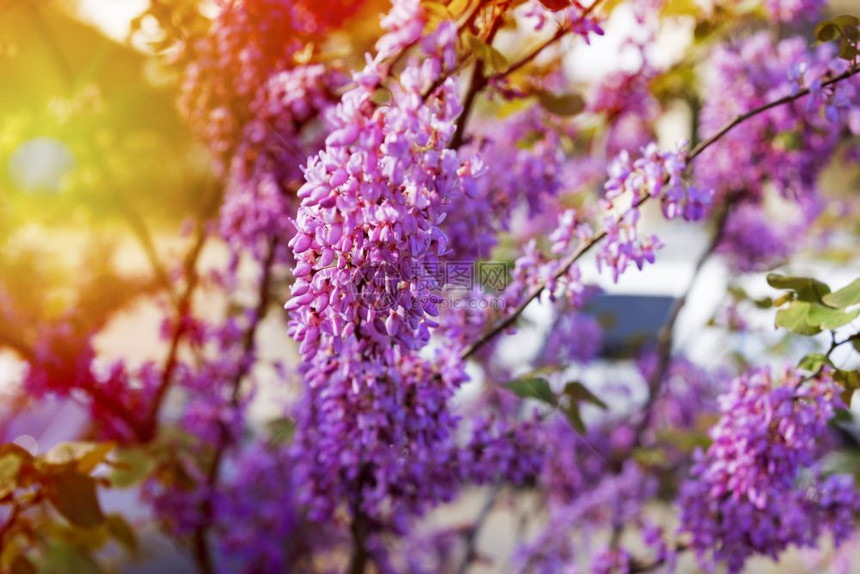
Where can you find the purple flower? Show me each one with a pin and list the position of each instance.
(748, 493)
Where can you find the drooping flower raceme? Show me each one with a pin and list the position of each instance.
(368, 226)
(654, 174)
(756, 490)
(785, 147)
(265, 171)
(375, 428)
(248, 42)
(528, 173)
(260, 109)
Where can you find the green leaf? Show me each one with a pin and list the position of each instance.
(680, 8)
(575, 418)
(561, 104)
(687, 441)
(63, 559)
(845, 21)
(807, 289)
(739, 294)
(131, 465)
(121, 532)
(843, 462)
(845, 297)
(458, 7)
(789, 141)
(436, 11)
(847, 49)
(651, 456)
(494, 60)
(851, 34)
(763, 303)
(827, 318)
(826, 31)
(533, 388)
(813, 361)
(86, 455)
(10, 464)
(19, 451)
(74, 496)
(794, 317)
(281, 430)
(850, 382)
(577, 392)
(786, 297)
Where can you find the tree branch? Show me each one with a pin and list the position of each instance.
(665, 336)
(200, 542)
(536, 291)
(183, 308)
(471, 538)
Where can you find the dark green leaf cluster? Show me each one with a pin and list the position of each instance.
(810, 307)
(533, 386)
(846, 29)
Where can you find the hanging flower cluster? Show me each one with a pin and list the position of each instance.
(748, 493)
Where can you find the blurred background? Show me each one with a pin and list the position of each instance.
(101, 183)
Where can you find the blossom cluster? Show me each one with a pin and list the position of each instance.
(654, 174)
(785, 147)
(248, 42)
(375, 428)
(65, 364)
(350, 183)
(260, 109)
(525, 177)
(264, 172)
(757, 489)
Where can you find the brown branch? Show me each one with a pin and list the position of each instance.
(477, 82)
(776, 103)
(200, 542)
(558, 35)
(536, 291)
(183, 308)
(665, 336)
(358, 530)
(639, 566)
(471, 537)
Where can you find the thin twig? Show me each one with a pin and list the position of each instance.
(183, 308)
(200, 542)
(558, 35)
(536, 291)
(471, 537)
(477, 82)
(641, 566)
(665, 336)
(359, 528)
